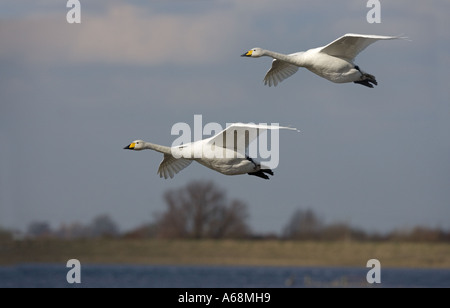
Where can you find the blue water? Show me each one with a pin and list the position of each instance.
(166, 276)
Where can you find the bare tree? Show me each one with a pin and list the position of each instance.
(229, 221)
(5, 235)
(200, 210)
(304, 224)
(72, 231)
(38, 229)
(103, 226)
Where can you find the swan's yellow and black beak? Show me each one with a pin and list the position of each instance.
(247, 54)
(130, 146)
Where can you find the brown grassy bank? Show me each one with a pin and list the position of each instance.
(227, 252)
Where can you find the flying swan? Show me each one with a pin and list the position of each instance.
(333, 62)
(219, 152)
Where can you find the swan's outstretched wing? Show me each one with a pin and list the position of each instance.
(238, 136)
(350, 45)
(279, 71)
(171, 166)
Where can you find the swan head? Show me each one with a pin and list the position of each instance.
(254, 53)
(136, 145)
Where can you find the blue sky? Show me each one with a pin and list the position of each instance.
(73, 95)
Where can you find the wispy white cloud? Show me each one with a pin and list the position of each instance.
(140, 34)
(123, 34)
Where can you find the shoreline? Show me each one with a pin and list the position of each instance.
(227, 252)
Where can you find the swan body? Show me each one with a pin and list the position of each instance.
(217, 152)
(334, 62)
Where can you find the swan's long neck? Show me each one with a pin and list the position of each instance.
(296, 60)
(157, 147)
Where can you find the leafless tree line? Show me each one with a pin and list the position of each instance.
(201, 210)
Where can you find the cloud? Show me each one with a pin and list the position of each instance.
(123, 34)
(157, 34)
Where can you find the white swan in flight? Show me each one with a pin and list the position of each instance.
(333, 61)
(219, 152)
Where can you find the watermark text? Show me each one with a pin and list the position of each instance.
(259, 141)
(374, 274)
(74, 274)
(374, 14)
(74, 14)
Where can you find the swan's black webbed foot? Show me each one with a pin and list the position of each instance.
(368, 80)
(262, 173)
(365, 83)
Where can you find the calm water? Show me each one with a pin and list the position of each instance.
(134, 276)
